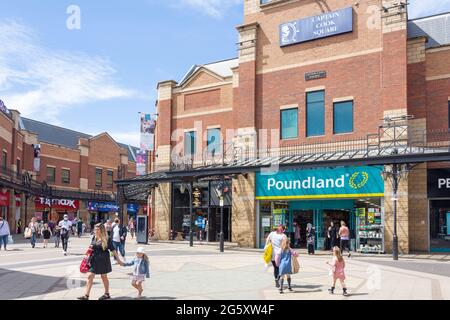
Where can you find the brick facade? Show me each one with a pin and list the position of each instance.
(376, 66)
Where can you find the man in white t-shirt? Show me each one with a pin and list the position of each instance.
(276, 237)
(65, 226)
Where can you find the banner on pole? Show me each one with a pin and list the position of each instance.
(147, 131)
(141, 162)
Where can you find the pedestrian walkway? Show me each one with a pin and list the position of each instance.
(202, 272)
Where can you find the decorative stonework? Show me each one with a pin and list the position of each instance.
(416, 50)
(394, 17)
(162, 210)
(244, 212)
(165, 90)
(251, 6)
(247, 42)
(163, 158)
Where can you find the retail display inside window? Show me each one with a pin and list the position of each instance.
(370, 231)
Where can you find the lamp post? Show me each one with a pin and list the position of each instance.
(395, 175)
(191, 224)
(221, 237)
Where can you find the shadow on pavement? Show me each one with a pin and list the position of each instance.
(17, 284)
(357, 294)
(306, 286)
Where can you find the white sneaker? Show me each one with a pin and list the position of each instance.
(65, 253)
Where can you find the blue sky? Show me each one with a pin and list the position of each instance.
(99, 77)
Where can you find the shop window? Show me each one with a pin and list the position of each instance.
(289, 123)
(5, 160)
(343, 117)
(65, 176)
(189, 143)
(109, 179)
(98, 178)
(214, 145)
(315, 113)
(51, 174)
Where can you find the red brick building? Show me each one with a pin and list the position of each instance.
(78, 169)
(316, 75)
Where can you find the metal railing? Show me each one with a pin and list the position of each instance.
(389, 141)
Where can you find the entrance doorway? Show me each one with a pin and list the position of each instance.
(440, 226)
(214, 224)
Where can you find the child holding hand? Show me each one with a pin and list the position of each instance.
(141, 270)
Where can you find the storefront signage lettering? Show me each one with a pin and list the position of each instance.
(59, 204)
(438, 183)
(321, 26)
(321, 183)
(103, 207)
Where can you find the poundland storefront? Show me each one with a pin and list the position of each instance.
(321, 196)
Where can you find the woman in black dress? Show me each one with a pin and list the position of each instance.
(100, 261)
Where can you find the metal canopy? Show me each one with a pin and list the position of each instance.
(393, 144)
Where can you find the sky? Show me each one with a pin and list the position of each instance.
(93, 65)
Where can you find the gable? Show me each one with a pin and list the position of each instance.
(202, 78)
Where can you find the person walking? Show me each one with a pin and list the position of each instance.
(34, 228)
(100, 262)
(108, 227)
(131, 227)
(332, 235)
(337, 270)
(275, 238)
(283, 259)
(141, 270)
(4, 233)
(310, 238)
(79, 228)
(344, 235)
(297, 235)
(119, 236)
(66, 226)
(57, 236)
(46, 234)
(19, 226)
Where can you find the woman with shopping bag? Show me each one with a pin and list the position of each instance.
(274, 239)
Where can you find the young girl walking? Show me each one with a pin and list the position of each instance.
(46, 234)
(283, 260)
(57, 236)
(141, 270)
(337, 270)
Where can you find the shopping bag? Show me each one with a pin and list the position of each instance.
(10, 239)
(268, 253)
(295, 265)
(27, 234)
(86, 262)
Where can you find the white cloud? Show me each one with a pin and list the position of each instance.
(421, 8)
(44, 82)
(213, 8)
(131, 138)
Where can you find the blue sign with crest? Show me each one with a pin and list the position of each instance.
(321, 26)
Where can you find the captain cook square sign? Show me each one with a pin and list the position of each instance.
(321, 26)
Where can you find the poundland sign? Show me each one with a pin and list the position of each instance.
(311, 28)
(321, 183)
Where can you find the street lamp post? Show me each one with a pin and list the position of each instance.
(191, 232)
(221, 217)
(395, 176)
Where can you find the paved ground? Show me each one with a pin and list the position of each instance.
(202, 272)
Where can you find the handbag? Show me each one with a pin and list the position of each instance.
(86, 262)
(295, 265)
(10, 239)
(268, 253)
(28, 233)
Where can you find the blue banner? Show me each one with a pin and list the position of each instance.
(103, 206)
(311, 28)
(348, 182)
